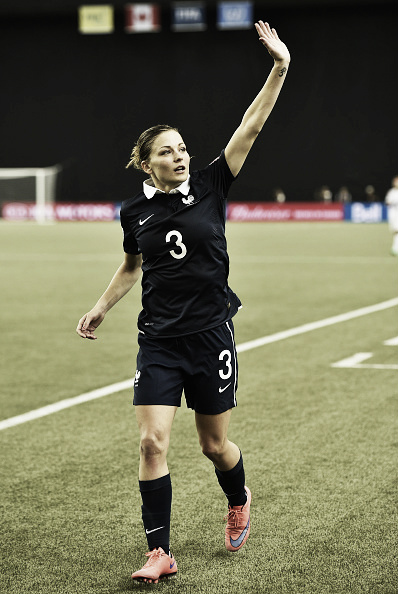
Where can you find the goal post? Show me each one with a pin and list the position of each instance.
(43, 192)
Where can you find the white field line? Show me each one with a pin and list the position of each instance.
(356, 362)
(350, 315)
(353, 361)
(369, 366)
(120, 386)
(67, 403)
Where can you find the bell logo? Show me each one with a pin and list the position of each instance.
(366, 213)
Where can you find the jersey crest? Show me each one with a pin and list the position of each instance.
(188, 200)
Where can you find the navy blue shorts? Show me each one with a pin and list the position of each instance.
(203, 365)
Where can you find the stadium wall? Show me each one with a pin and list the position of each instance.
(82, 100)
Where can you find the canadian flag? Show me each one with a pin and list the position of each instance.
(142, 18)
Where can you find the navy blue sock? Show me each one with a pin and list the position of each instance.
(232, 482)
(156, 509)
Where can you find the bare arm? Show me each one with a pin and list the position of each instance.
(124, 279)
(257, 114)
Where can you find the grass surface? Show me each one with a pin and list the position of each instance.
(319, 443)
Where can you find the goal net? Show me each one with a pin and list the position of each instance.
(30, 191)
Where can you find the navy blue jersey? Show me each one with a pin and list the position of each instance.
(184, 250)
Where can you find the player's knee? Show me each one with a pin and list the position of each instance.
(212, 448)
(153, 445)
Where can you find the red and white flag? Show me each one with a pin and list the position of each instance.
(142, 18)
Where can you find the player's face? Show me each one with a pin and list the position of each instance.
(168, 164)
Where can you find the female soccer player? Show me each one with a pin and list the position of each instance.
(174, 231)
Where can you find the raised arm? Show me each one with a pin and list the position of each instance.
(124, 279)
(257, 114)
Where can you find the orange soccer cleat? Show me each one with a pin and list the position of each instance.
(158, 566)
(237, 529)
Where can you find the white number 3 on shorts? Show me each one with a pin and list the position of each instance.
(226, 357)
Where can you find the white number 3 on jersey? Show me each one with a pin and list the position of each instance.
(179, 244)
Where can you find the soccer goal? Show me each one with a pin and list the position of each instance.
(30, 191)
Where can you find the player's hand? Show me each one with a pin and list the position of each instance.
(269, 38)
(89, 323)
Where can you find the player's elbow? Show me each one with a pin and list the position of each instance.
(253, 122)
(253, 129)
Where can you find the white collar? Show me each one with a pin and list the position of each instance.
(150, 190)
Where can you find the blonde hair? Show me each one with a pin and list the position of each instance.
(142, 148)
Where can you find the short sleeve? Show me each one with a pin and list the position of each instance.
(130, 245)
(218, 175)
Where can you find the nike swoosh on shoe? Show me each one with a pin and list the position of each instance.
(236, 543)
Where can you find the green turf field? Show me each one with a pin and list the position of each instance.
(319, 442)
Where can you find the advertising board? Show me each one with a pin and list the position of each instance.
(270, 212)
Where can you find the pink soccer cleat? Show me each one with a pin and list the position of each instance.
(237, 529)
(158, 566)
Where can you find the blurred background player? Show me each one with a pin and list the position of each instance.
(392, 205)
(174, 231)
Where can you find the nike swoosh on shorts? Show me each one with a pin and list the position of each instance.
(223, 389)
